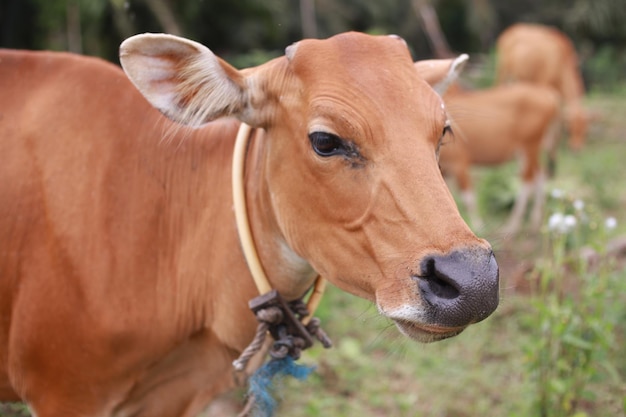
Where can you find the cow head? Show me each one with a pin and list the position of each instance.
(352, 132)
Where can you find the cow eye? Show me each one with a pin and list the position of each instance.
(327, 144)
(447, 130)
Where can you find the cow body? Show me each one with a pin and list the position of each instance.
(123, 290)
(103, 218)
(495, 125)
(545, 56)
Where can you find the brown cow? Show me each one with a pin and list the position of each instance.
(123, 289)
(544, 55)
(493, 126)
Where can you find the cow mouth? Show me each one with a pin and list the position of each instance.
(426, 333)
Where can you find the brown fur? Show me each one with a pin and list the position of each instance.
(123, 290)
(494, 126)
(543, 55)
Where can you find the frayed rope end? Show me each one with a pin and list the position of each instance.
(261, 383)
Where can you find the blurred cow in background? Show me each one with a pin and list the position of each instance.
(492, 127)
(543, 55)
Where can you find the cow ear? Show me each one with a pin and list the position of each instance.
(183, 79)
(440, 73)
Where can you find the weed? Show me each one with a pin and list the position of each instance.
(572, 300)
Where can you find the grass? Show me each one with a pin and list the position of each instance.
(484, 371)
(373, 371)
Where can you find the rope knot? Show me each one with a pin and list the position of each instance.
(314, 327)
(284, 322)
(270, 315)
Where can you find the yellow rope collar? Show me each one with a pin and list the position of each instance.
(243, 226)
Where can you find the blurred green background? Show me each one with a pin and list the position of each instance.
(250, 31)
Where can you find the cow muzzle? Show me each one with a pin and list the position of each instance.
(456, 289)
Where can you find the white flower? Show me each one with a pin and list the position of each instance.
(561, 223)
(569, 222)
(610, 223)
(579, 205)
(557, 193)
(555, 221)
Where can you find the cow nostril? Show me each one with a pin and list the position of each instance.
(460, 287)
(435, 285)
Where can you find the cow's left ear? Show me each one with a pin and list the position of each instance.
(440, 73)
(184, 79)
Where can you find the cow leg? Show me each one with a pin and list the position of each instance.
(54, 380)
(537, 211)
(519, 208)
(551, 144)
(181, 384)
(62, 363)
(64, 394)
(469, 200)
(6, 390)
(530, 170)
(184, 382)
(462, 174)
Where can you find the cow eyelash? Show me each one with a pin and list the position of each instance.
(447, 130)
(446, 133)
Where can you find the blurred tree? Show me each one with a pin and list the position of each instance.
(164, 14)
(121, 18)
(18, 27)
(594, 20)
(307, 15)
(430, 22)
(482, 20)
(229, 26)
(597, 20)
(261, 30)
(73, 27)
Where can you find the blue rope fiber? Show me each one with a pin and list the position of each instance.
(261, 384)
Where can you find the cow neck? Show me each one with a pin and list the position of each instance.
(243, 225)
